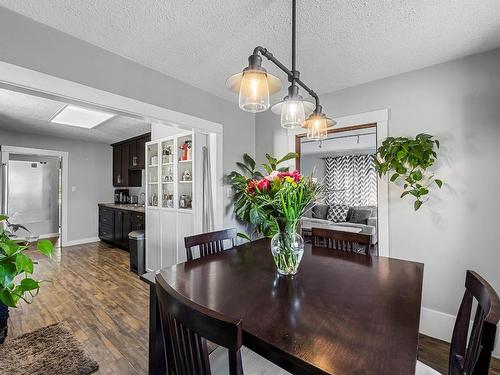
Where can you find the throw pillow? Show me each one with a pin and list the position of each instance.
(320, 211)
(360, 215)
(338, 213)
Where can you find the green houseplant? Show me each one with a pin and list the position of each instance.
(16, 267)
(274, 204)
(407, 160)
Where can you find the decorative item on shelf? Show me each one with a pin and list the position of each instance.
(167, 156)
(16, 261)
(168, 200)
(186, 176)
(154, 200)
(274, 204)
(408, 160)
(154, 160)
(185, 201)
(168, 178)
(254, 86)
(186, 151)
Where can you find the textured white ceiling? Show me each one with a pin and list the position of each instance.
(31, 114)
(341, 43)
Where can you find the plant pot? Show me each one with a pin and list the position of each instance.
(287, 247)
(4, 316)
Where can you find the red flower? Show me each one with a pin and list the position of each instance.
(264, 184)
(251, 186)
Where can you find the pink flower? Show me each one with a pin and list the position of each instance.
(251, 186)
(274, 175)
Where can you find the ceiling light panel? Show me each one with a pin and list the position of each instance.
(80, 117)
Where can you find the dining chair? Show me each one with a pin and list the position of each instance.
(472, 356)
(339, 240)
(186, 327)
(209, 243)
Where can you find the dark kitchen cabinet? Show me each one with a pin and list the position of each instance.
(128, 161)
(115, 224)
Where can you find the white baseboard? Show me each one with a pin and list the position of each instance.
(49, 235)
(81, 241)
(440, 326)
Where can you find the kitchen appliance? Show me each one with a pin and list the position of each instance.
(121, 196)
(134, 199)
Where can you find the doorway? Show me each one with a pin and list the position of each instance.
(33, 187)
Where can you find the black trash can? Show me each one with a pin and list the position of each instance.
(136, 245)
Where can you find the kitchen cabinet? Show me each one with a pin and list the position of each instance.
(116, 223)
(128, 161)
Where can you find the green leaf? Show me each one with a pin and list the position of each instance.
(417, 205)
(7, 274)
(243, 235)
(272, 161)
(28, 284)
(268, 169)
(404, 194)
(289, 156)
(244, 167)
(3, 217)
(249, 161)
(394, 177)
(401, 155)
(6, 298)
(416, 175)
(256, 215)
(23, 263)
(439, 183)
(437, 143)
(45, 247)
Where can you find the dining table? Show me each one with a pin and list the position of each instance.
(342, 313)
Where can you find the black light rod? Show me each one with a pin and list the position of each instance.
(294, 40)
(264, 52)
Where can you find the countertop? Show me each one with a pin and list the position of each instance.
(124, 206)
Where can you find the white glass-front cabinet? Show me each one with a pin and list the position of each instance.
(171, 176)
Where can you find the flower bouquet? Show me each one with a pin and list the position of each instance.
(274, 204)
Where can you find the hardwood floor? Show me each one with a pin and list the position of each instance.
(105, 305)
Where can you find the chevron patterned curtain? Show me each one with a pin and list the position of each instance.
(351, 180)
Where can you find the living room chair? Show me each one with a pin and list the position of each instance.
(209, 243)
(342, 241)
(472, 357)
(186, 327)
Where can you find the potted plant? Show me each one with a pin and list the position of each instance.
(407, 160)
(274, 204)
(16, 266)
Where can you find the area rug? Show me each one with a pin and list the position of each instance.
(49, 350)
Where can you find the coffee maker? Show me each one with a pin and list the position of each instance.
(121, 196)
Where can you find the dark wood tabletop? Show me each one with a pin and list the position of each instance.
(341, 314)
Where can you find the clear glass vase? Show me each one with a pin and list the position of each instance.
(287, 247)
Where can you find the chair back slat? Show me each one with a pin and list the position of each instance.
(186, 326)
(209, 243)
(342, 241)
(471, 355)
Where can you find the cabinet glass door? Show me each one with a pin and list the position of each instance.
(152, 161)
(168, 174)
(185, 172)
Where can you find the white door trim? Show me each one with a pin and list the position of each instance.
(64, 176)
(20, 79)
(381, 118)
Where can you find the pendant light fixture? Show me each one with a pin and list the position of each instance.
(254, 85)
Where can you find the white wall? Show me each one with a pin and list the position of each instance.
(89, 170)
(313, 164)
(459, 103)
(31, 45)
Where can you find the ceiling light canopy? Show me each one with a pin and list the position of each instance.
(254, 86)
(80, 117)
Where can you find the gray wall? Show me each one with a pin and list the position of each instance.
(89, 170)
(35, 46)
(313, 163)
(459, 103)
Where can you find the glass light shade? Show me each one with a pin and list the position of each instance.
(317, 127)
(254, 91)
(292, 114)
